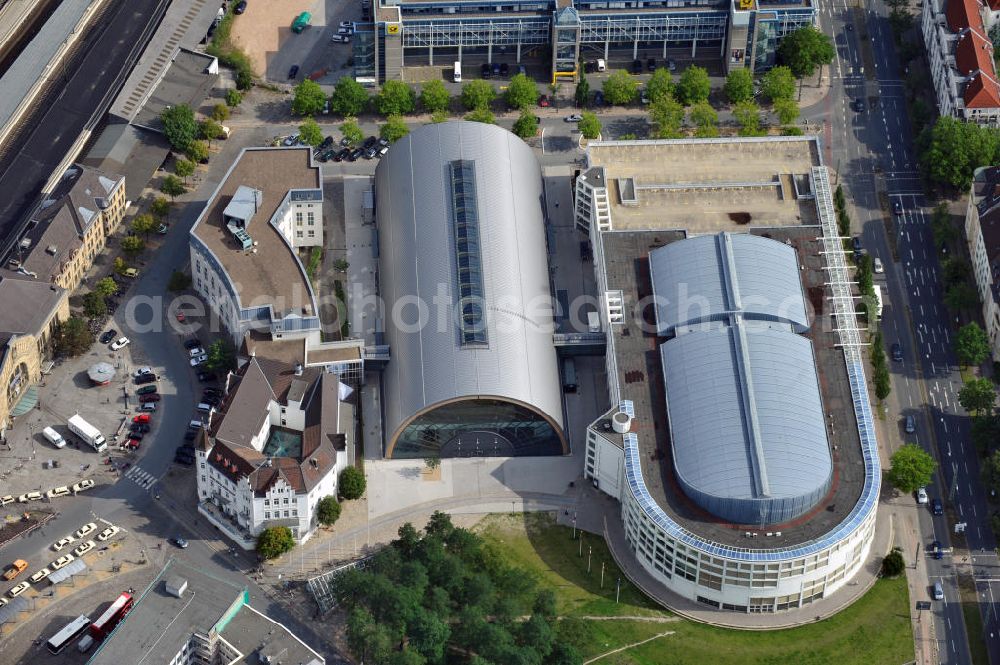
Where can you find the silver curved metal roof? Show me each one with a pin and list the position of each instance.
(746, 422)
(414, 208)
(707, 277)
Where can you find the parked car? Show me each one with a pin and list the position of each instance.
(83, 549)
(40, 575)
(84, 484)
(181, 459)
(637, 66)
(148, 406)
(576, 117)
(485, 70)
(62, 542)
(86, 529)
(345, 32)
(495, 68)
(120, 343)
(62, 561)
(651, 64)
(145, 390)
(196, 351)
(192, 343)
(144, 379)
(910, 425)
(190, 434)
(293, 72)
(240, 7)
(504, 69)
(877, 265)
(107, 336)
(7, 499)
(141, 418)
(671, 66)
(141, 371)
(180, 542)
(136, 436)
(58, 491)
(206, 377)
(346, 24)
(151, 397)
(15, 569)
(199, 359)
(19, 589)
(937, 507)
(108, 533)
(353, 157)
(598, 98)
(543, 101)
(29, 496)
(341, 39)
(897, 352)
(937, 550)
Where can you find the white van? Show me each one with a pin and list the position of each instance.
(458, 72)
(204, 408)
(601, 65)
(54, 437)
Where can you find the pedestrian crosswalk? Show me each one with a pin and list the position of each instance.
(140, 477)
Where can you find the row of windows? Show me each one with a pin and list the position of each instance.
(312, 234)
(277, 514)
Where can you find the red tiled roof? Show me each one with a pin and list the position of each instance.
(982, 92)
(973, 52)
(962, 14)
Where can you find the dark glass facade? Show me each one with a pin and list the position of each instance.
(482, 427)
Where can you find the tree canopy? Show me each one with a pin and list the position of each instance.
(434, 96)
(972, 344)
(694, 86)
(94, 305)
(911, 468)
(747, 115)
(478, 94)
(393, 129)
(787, 111)
(620, 88)
(526, 126)
(309, 98)
(310, 132)
(395, 98)
(522, 93)
(106, 286)
(172, 186)
(739, 86)
(328, 510)
(352, 483)
(275, 541)
(72, 337)
(482, 114)
(351, 130)
(804, 50)
(179, 126)
(220, 112)
(951, 150)
(668, 116)
(778, 83)
(660, 85)
(428, 596)
(349, 97)
(589, 125)
(582, 94)
(705, 120)
(978, 396)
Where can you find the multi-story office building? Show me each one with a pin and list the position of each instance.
(740, 439)
(742, 33)
(960, 53)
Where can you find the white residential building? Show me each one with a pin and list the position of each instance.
(961, 60)
(278, 447)
(982, 231)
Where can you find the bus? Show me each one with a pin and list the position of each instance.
(569, 375)
(105, 623)
(73, 630)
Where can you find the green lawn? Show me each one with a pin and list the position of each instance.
(876, 629)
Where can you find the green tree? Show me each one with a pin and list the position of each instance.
(395, 98)
(183, 168)
(778, 83)
(120, 266)
(221, 356)
(220, 112)
(160, 207)
(210, 130)
(143, 224)
(660, 85)
(244, 79)
(972, 344)
(911, 468)
(883, 384)
(960, 296)
(747, 115)
(132, 246)
(694, 86)
(349, 97)
(179, 281)
(309, 98)
(274, 541)
(804, 50)
(197, 151)
(428, 635)
(351, 130)
(985, 432)
(991, 471)
(482, 114)
(564, 654)
(955, 270)
(478, 94)
(951, 150)
(526, 125)
(352, 483)
(94, 305)
(522, 93)
(942, 227)
(668, 116)
(106, 287)
(978, 396)
(893, 564)
(310, 132)
(787, 111)
(72, 337)
(432, 462)
(328, 510)
(434, 96)
(582, 94)
(233, 98)
(705, 120)
(394, 129)
(589, 125)
(739, 86)
(620, 88)
(179, 126)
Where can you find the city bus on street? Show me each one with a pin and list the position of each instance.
(105, 623)
(73, 630)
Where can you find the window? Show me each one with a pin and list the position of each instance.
(311, 218)
(267, 502)
(468, 259)
(312, 234)
(286, 500)
(298, 234)
(267, 514)
(298, 219)
(286, 513)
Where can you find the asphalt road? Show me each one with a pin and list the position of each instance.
(90, 79)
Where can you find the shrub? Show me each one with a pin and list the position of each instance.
(352, 483)
(274, 541)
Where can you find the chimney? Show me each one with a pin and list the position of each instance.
(298, 369)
